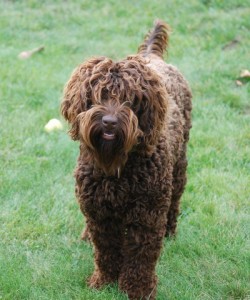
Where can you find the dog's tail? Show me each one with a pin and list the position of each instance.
(156, 41)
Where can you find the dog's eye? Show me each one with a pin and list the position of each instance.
(88, 105)
(135, 105)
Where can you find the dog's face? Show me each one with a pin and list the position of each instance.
(114, 108)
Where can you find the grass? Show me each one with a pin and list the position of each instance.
(41, 255)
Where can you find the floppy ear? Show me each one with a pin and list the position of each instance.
(73, 104)
(152, 111)
(152, 116)
(77, 96)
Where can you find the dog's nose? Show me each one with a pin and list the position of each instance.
(109, 121)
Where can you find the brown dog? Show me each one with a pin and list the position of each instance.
(132, 118)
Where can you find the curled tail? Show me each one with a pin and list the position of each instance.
(156, 41)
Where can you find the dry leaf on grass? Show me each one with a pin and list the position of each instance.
(231, 44)
(244, 73)
(243, 78)
(28, 54)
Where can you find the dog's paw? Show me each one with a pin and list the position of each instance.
(171, 231)
(97, 281)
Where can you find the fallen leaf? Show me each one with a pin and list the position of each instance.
(244, 73)
(231, 44)
(243, 78)
(27, 54)
(238, 82)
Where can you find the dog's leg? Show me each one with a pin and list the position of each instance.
(179, 182)
(141, 250)
(107, 239)
(85, 236)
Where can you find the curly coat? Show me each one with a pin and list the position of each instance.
(132, 118)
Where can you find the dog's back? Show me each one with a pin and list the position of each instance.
(153, 47)
(178, 118)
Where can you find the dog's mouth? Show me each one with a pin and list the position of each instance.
(108, 136)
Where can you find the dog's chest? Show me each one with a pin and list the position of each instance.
(142, 182)
(116, 194)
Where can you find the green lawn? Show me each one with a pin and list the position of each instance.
(41, 254)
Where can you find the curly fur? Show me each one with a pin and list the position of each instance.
(130, 175)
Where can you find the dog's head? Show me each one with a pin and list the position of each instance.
(114, 108)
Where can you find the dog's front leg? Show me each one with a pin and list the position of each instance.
(141, 251)
(106, 237)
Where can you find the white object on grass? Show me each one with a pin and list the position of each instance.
(52, 125)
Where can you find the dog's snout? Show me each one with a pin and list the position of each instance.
(109, 121)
